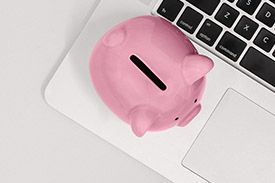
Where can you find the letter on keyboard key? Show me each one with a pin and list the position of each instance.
(267, 15)
(260, 65)
(208, 6)
(227, 15)
(246, 27)
(231, 46)
(249, 6)
(265, 40)
(170, 9)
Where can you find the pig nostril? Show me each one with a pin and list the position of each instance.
(196, 101)
(177, 119)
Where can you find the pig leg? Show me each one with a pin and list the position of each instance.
(142, 118)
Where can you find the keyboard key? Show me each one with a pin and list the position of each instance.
(267, 15)
(249, 6)
(209, 32)
(227, 15)
(208, 6)
(231, 46)
(260, 65)
(265, 40)
(187, 23)
(246, 27)
(170, 9)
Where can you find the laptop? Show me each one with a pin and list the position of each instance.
(233, 137)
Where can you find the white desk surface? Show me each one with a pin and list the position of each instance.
(38, 144)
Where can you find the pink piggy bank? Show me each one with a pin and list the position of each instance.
(149, 74)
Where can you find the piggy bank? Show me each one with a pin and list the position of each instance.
(149, 74)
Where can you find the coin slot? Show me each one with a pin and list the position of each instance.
(141, 65)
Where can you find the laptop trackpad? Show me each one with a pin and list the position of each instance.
(236, 145)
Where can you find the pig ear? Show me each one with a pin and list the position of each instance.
(141, 119)
(195, 67)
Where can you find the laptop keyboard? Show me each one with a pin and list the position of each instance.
(241, 32)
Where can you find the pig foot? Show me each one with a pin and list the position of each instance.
(142, 118)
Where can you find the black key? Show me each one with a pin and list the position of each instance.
(231, 46)
(260, 65)
(208, 6)
(227, 15)
(209, 32)
(187, 23)
(267, 15)
(170, 9)
(246, 27)
(249, 6)
(265, 40)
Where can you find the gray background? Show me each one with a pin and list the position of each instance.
(38, 144)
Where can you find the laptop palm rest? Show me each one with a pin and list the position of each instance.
(236, 145)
